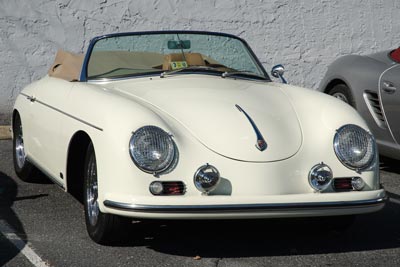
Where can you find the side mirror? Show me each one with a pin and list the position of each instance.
(278, 71)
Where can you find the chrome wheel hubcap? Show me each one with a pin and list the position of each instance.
(92, 191)
(341, 96)
(19, 149)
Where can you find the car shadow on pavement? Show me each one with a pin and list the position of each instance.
(8, 193)
(389, 165)
(12, 232)
(272, 237)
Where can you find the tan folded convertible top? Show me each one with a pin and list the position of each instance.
(67, 66)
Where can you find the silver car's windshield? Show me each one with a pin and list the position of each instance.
(118, 56)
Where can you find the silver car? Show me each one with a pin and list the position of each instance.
(370, 84)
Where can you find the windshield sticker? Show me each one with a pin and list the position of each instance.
(178, 65)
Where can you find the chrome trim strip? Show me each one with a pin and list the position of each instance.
(33, 99)
(261, 144)
(106, 80)
(242, 208)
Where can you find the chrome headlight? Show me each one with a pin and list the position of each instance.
(354, 147)
(320, 177)
(206, 178)
(152, 149)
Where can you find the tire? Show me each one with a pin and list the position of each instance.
(342, 92)
(23, 168)
(102, 228)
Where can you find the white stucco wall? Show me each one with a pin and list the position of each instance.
(304, 35)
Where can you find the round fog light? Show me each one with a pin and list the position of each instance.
(206, 178)
(320, 177)
(357, 183)
(156, 188)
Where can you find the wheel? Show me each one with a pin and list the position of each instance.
(342, 92)
(102, 228)
(22, 167)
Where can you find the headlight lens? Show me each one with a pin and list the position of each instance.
(152, 149)
(354, 147)
(206, 178)
(320, 177)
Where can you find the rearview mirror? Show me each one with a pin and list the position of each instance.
(181, 44)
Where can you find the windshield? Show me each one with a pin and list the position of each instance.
(137, 54)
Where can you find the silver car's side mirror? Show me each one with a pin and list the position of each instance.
(278, 71)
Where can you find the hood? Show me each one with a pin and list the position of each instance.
(206, 107)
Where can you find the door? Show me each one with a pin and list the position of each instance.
(44, 126)
(389, 87)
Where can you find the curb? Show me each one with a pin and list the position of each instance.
(5, 132)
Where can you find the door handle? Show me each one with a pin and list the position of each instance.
(31, 98)
(389, 87)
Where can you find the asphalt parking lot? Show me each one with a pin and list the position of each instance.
(43, 226)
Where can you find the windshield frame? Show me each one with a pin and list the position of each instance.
(84, 71)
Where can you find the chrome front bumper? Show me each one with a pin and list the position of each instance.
(379, 202)
(228, 208)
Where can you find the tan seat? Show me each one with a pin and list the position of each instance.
(67, 66)
(192, 59)
(102, 62)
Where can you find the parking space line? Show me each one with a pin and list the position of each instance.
(23, 247)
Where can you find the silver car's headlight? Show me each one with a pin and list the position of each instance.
(152, 149)
(354, 147)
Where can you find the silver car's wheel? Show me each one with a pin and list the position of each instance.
(343, 93)
(23, 168)
(341, 96)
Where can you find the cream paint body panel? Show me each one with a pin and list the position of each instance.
(41, 124)
(45, 122)
(110, 112)
(51, 101)
(206, 107)
(242, 182)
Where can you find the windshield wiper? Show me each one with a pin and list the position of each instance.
(135, 71)
(205, 68)
(242, 72)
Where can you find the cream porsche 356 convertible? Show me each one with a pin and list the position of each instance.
(188, 125)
